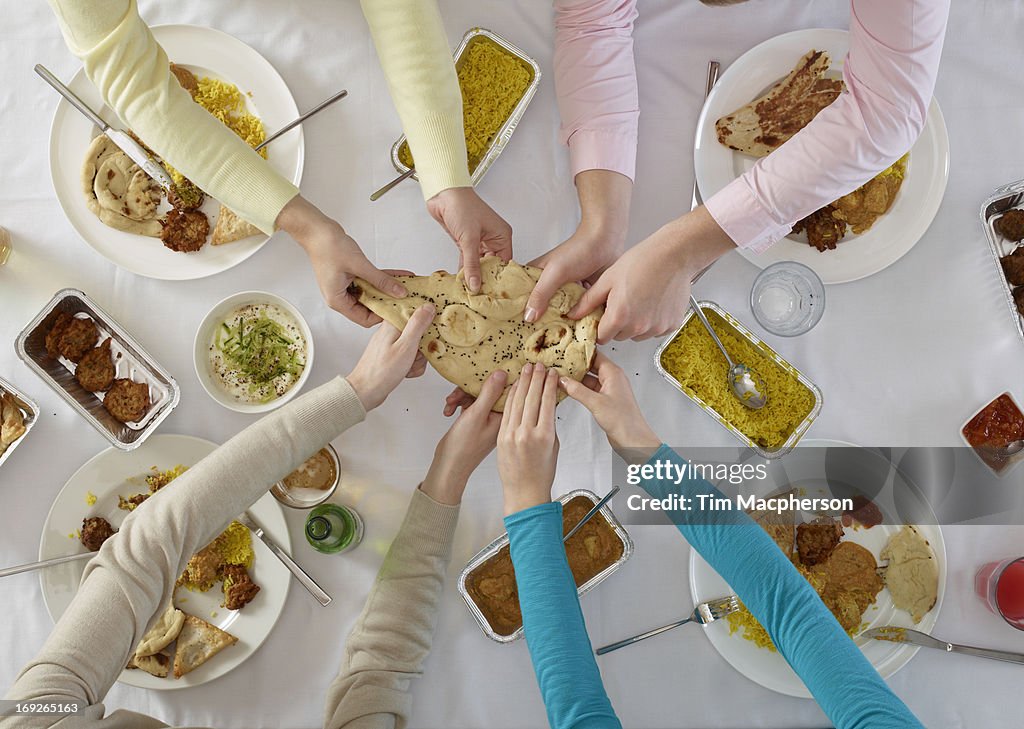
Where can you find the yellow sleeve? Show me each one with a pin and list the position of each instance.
(417, 62)
(133, 75)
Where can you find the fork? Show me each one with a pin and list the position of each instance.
(706, 612)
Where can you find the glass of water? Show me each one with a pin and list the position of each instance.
(788, 299)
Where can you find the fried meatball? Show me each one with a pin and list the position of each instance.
(815, 541)
(127, 401)
(239, 589)
(1013, 266)
(1011, 225)
(79, 337)
(53, 336)
(95, 531)
(185, 230)
(96, 370)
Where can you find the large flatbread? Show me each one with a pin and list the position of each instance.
(118, 192)
(473, 335)
(164, 632)
(230, 227)
(198, 642)
(764, 124)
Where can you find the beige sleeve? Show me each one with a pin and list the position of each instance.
(417, 62)
(392, 637)
(133, 574)
(132, 73)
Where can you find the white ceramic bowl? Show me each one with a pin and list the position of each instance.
(204, 335)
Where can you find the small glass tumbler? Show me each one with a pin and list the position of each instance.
(1000, 585)
(788, 299)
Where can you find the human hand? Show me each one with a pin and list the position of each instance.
(466, 444)
(476, 229)
(598, 241)
(646, 292)
(527, 442)
(391, 356)
(609, 397)
(336, 259)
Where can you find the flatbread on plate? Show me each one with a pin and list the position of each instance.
(230, 227)
(164, 631)
(158, 664)
(198, 642)
(473, 335)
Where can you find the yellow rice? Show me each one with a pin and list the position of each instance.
(492, 81)
(694, 360)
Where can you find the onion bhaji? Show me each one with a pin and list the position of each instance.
(95, 531)
(1010, 225)
(239, 589)
(816, 540)
(1013, 266)
(185, 230)
(824, 228)
(78, 338)
(95, 372)
(1018, 299)
(53, 336)
(127, 401)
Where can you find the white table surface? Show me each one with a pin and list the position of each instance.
(938, 306)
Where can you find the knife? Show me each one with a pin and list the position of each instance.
(122, 139)
(304, 579)
(896, 634)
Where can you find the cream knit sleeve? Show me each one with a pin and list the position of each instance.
(417, 62)
(133, 75)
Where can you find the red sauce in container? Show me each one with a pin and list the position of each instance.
(997, 425)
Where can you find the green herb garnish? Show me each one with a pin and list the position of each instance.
(260, 349)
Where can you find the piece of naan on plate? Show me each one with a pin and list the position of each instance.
(473, 335)
(198, 642)
(763, 125)
(230, 228)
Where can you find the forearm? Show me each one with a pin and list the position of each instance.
(605, 198)
(392, 637)
(895, 46)
(595, 79)
(556, 634)
(133, 575)
(417, 61)
(846, 686)
(132, 73)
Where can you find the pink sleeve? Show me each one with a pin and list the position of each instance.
(890, 75)
(595, 79)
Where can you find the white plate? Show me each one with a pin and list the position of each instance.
(206, 52)
(113, 472)
(857, 256)
(770, 669)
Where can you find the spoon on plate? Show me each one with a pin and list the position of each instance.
(746, 385)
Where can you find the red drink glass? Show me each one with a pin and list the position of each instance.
(1001, 586)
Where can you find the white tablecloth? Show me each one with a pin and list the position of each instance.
(937, 308)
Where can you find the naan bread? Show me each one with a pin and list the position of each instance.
(118, 192)
(164, 631)
(230, 228)
(912, 574)
(198, 642)
(473, 335)
(158, 664)
(764, 124)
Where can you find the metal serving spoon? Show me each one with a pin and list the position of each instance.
(746, 384)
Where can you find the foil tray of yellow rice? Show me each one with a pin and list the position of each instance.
(691, 361)
(497, 80)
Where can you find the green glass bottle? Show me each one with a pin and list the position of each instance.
(333, 529)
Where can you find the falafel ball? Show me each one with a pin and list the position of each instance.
(1010, 225)
(96, 370)
(79, 337)
(53, 336)
(185, 230)
(127, 401)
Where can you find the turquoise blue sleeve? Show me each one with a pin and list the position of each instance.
(556, 635)
(845, 684)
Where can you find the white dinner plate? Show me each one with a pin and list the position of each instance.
(769, 668)
(856, 256)
(205, 52)
(111, 473)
